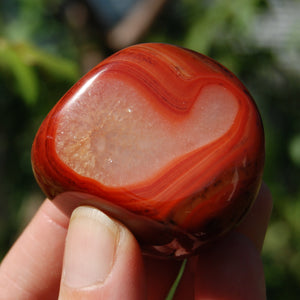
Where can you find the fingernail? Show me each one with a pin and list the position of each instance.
(90, 248)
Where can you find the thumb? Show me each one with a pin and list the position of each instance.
(102, 259)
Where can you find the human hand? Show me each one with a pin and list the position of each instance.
(96, 257)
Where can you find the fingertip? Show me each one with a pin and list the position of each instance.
(100, 254)
(90, 248)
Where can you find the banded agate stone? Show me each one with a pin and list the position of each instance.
(164, 139)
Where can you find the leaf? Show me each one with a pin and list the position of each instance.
(54, 65)
(21, 60)
(26, 82)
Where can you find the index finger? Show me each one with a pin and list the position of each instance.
(32, 268)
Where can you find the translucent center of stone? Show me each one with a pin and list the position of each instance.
(109, 132)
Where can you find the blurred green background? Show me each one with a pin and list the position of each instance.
(47, 45)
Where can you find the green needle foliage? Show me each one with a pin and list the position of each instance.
(174, 286)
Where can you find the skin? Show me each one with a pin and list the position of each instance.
(43, 262)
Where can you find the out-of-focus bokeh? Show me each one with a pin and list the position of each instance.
(47, 45)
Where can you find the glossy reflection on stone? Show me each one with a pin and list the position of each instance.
(164, 139)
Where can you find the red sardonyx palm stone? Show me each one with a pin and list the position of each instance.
(163, 139)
